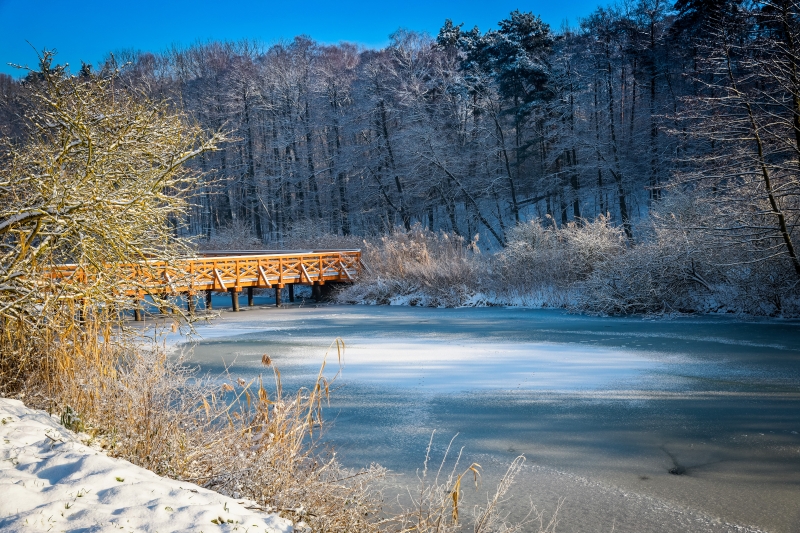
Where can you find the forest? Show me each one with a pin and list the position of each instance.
(674, 127)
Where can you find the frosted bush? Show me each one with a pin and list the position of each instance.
(418, 267)
(541, 254)
(314, 234)
(585, 266)
(679, 268)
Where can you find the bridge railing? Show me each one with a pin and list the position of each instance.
(226, 272)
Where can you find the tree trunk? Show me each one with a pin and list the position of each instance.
(617, 173)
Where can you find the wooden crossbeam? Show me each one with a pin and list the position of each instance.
(219, 279)
(345, 272)
(263, 276)
(302, 266)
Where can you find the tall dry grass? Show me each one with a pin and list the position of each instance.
(421, 267)
(585, 266)
(249, 440)
(539, 253)
(434, 504)
(418, 267)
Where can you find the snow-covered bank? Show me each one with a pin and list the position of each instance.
(588, 267)
(391, 292)
(50, 481)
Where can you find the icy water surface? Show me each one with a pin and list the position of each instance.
(602, 408)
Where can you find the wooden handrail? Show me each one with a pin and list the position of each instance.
(224, 272)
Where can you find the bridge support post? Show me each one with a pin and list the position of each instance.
(250, 297)
(291, 292)
(190, 303)
(277, 296)
(234, 299)
(326, 291)
(137, 310)
(208, 300)
(316, 292)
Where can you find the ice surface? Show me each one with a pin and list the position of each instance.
(602, 408)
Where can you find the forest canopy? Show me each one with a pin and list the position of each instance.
(671, 121)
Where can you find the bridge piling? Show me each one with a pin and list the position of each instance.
(234, 299)
(250, 297)
(190, 303)
(291, 292)
(277, 296)
(137, 310)
(208, 300)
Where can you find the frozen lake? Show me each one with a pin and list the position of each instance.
(602, 408)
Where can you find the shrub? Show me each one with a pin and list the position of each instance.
(235, 235)
(418, 267)
(683, 265)
(95, 179)
(435, 502)
(541, 254)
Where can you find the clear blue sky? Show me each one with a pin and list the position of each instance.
(87, 30)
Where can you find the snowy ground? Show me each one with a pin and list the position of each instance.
(50, 481)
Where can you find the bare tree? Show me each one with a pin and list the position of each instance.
(98, 179)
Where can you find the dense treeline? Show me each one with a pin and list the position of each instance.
(668, 119)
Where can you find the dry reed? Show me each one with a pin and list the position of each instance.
(418, 267)
(434, 504)
(244, 439)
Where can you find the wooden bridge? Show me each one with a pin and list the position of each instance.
(232, 271)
